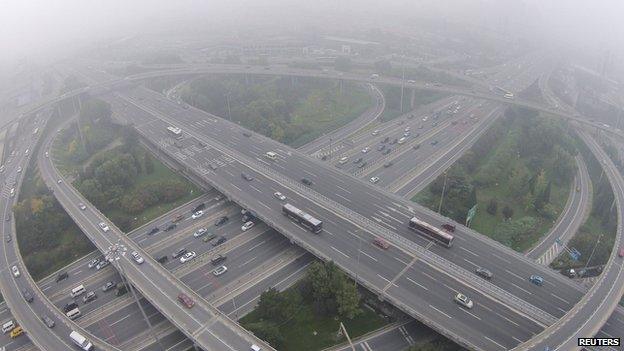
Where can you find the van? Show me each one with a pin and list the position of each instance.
(401, 141)
(77, 291)
(271, 155)
(81, 341)
(73, 314)
(8, 326)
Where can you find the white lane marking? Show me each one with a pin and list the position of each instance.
(472, 314)
(470, 252)
(389, 282)
(340, 252)
(369, 256)
(501, 346)
(441, 312)
(414, 282)
(526, 291)
(248, 261)
(514, 274)
(342, 197)
(560, 298)
(472, 263)
(257, 245)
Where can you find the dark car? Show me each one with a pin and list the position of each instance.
(221, 221)
(388, 164)
(217, 259)
(162, 259)
(247, 134)
(386, 151)
(8, 238)
(199, 207)
(484, 273)
(70, 306)
(49, 322)
(358, 160)
(435, 142)
(386, 139)
(122, 289)
(394, 141)
(28, 296)
(61, 276)
(381, 147)
(362, 165)
(218, 241)
(177, 218)
(247, 177)
(306, 181)
(170, 227)
(179, 253)
(448, 227)
(416, 147)
(153, 231)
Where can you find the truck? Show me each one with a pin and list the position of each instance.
(81, 341)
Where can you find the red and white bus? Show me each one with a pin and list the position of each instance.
(430, 231)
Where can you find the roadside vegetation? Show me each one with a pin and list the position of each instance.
(48, 238)
(518, 174)
(114, 172)
(307, 316)
(292, 111)
(597, 234)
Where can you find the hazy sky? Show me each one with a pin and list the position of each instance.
(36, 28)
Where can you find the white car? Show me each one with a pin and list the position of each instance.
(248, 225)
(16, 272)
(197, 214)
(102, 264)
(219, 270)
(200, 232)
(82, 206)
(94, 262)
(59, 181)
(187, 256)
(343, 160)
(104, 227)
(279, 196)
(402, 140)
(19, 169)
(463, 300)
(365, 150)
(136, 257)
(47, 154)
(374, 180)
(375, 132)
(407, 129)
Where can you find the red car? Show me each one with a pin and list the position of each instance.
(448, 227)
(381, 243)
(187, 301)
(621, 253)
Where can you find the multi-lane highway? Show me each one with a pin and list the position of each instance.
(160, 129)
(203, 323)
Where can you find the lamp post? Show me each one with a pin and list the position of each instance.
(114, 253)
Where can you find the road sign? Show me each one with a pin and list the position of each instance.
(471, 213)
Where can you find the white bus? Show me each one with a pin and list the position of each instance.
(432, 232)
(175, 131)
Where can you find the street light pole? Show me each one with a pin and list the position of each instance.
(114, 253)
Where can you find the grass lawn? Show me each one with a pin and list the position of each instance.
(308, 332)
(160, 172)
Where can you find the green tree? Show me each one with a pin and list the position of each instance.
(270, 304)
(507, 212)
(267, 331)
(492, 207)
(347, 299)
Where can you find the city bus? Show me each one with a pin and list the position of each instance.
(302, 218)
(430, 231)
